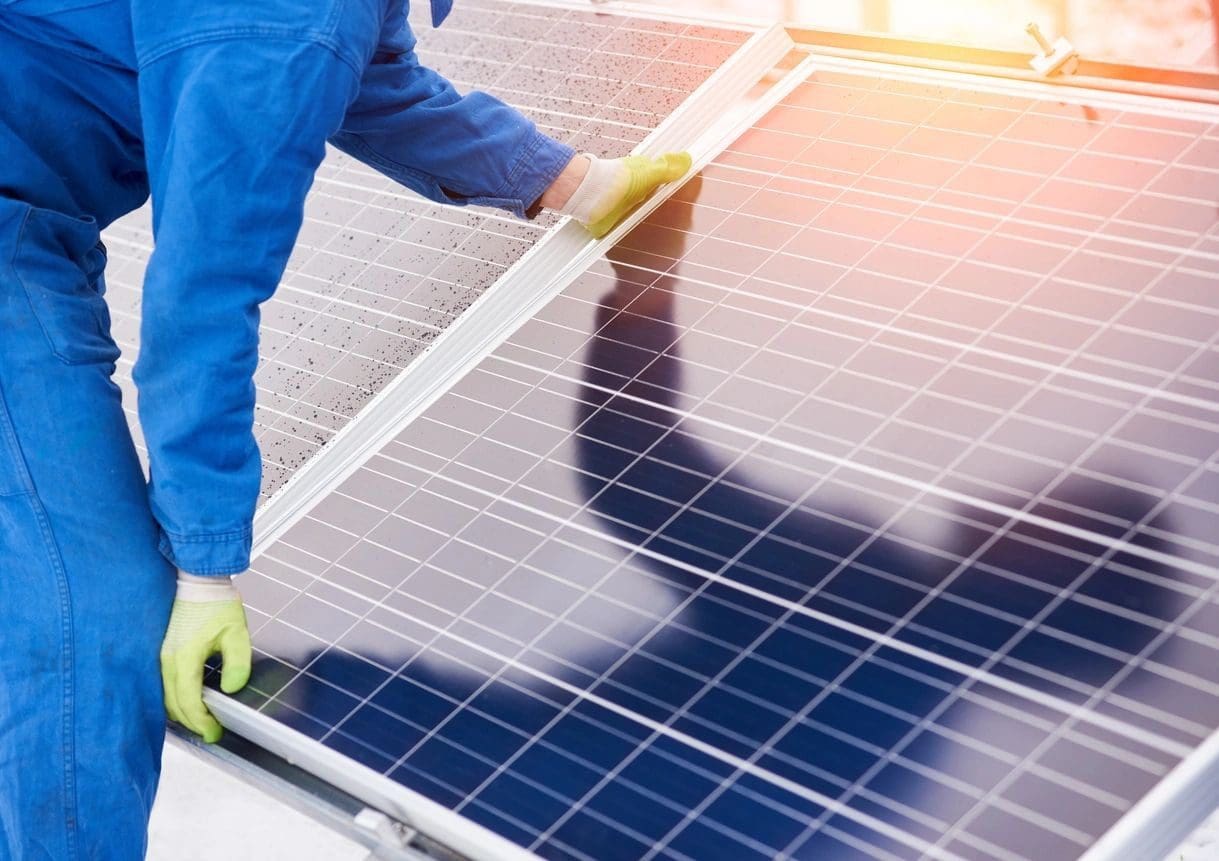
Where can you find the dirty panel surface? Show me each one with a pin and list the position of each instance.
(378, 273)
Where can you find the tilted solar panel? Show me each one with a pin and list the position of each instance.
(863, 503)
(378, 273)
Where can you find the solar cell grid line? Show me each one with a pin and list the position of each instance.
(612, 409)
(378, 273)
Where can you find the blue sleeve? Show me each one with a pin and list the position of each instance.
(411, 124)
(234, 126)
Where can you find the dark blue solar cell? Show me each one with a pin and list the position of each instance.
(878, 842)
(846, 761)
(359, 677)
(730, 722)
(527, 713)
(733, 625)
(820, 534)
(698, 654)
(645, 512)
(443, 675)
(709, 534)
(751, 510)
(562, 774)
(439, 791)
(358, 751)
(603, 744)
(802, 567)
(297, 720)
(482, 736)
(662, 775)
(935, 643)
(700, 840)
(1066, 659)
(603, 460)
(650, 816)
(532, 803)
(772, 684)
(864, 588)
(1102, 627)
(403, 697)
(650, 475)
(1039, 563)
(951, 619)
(649, 687)
(683, 552)
(921, 792)
(500, 815)
(918, 566)
(585, 830)
(806, 653)
(859, 720)
(385, 732)
(1140, 594)
(994, 590)
(895, 689)
(823, 845)
(462, 771)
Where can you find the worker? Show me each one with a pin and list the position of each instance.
(219, 110)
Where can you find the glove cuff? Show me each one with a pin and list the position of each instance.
(204, 590)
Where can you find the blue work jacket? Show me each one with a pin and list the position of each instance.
(220, 110)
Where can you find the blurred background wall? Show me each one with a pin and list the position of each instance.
(1146, 32)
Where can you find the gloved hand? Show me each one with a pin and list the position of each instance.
(612, 188)
(207, 617)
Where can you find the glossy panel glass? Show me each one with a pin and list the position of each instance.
(806, 520)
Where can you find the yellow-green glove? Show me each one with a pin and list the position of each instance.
(612, 188)
(207, 617)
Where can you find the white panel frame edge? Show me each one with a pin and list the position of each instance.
(714, 115)
(982, 79)
(1168, 814)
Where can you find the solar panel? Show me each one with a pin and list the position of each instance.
(862, 503)
(378, 273)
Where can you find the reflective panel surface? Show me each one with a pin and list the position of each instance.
(379, 273)
(862, 504)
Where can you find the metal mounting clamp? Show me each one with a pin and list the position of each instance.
(1059, 58)
(393, 838)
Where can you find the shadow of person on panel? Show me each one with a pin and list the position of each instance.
(745, 567)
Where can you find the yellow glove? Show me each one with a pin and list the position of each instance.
(207, 618)
(612, 188)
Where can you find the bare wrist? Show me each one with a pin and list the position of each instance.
(565, 185)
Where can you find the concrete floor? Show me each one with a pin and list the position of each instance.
(203, 813)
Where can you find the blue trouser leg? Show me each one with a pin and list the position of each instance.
(84, 593)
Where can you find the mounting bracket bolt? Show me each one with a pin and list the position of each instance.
(392, 836)
(1060, 58)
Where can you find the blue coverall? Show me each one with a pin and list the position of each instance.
(221, 110)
